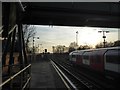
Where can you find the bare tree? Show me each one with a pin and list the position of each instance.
(72, 46)
(83, 47)
(29, 32)
(59, 49)
(108, 44)
(117, 43)
(99, 45)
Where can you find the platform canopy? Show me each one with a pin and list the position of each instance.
(94, 14)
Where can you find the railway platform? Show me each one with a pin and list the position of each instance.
(44, 76)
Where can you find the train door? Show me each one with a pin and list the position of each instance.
(86, 58)
(97, 60)
(73, 58)
(79, 58)
(112, 62)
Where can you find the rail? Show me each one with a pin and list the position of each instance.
(68, 83)
(17, 74)
(79, 82)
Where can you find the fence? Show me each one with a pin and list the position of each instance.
(20, 79)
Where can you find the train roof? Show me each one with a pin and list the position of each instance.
(74, 52)
(78, 52)
(99, 50)
(108, 48)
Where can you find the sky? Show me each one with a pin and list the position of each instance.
(64, 35)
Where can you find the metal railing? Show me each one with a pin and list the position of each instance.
(24, 75)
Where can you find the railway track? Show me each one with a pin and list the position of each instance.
(97, 78)
(71, 80)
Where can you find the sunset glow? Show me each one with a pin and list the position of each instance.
(64, 35)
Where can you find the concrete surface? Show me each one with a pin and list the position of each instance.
(44, 76)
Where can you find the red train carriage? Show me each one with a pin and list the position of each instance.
(103, 60)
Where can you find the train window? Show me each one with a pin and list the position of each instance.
(113, 59)
(112, 56)
(87, 55)
(86, 60)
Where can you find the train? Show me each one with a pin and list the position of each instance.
(103, 60)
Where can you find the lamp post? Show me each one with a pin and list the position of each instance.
(104, 36)
(76, 39)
